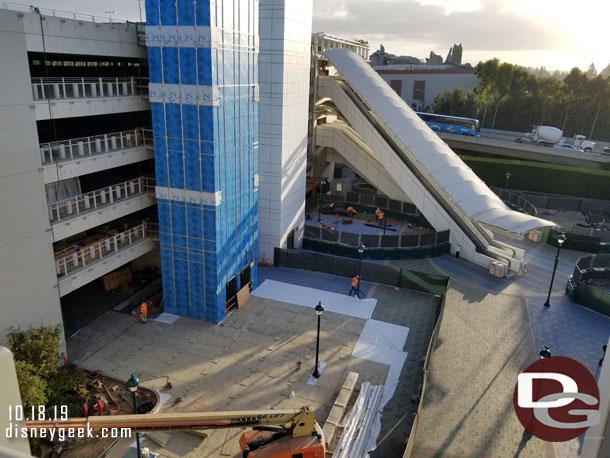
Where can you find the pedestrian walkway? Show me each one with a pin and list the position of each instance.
(570, 330)
(483, 344)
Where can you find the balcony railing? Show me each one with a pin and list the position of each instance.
(81, 257)
(78, 148)
(59, 13)
(50, 88)
(91, 201)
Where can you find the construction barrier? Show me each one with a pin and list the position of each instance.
(376, 273)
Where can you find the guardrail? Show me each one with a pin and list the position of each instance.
(59, 13)
(95, 252)
(90, 201)
(77, 148)
(54, 88)
(515, 199)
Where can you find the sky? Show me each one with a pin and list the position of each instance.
(556, 34)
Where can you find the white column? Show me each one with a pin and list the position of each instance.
(56, 91)
(81, 148)
(75, 91)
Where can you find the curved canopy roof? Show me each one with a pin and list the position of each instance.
(461, 184)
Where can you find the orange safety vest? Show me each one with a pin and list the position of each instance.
(144, 308)
(380, 215)
(351, 209)
(332, 228)
(355, 282)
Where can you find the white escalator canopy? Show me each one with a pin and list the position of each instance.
(460, 183)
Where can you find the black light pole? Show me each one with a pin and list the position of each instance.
(545, 353)
(322, 183)
(133, 384)
(319, 311)
(560, 240)
(508, 175)
(361, 248)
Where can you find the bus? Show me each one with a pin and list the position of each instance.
(451, 124)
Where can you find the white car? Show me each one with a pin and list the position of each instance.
(567, 147)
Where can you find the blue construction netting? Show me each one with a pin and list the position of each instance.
(203, 91)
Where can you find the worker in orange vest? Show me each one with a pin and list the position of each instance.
(380, 216)
(350, 211)
(143, 311)
(355, 291)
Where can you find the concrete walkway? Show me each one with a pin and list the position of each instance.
(483, 344)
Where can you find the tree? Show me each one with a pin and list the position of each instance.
(40, 381)
(37, 346)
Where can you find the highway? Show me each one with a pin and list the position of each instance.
(502, 143)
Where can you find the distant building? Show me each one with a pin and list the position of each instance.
(419, 84)
(380, 57)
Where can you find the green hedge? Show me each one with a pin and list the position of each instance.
(541, 177)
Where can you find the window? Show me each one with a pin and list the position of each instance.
(397, 86)
(419, 90)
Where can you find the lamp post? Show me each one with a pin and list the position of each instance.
(133, 384)
(361, 248)
(110, 13)
(508, 175)
(560, 240)
(140, 8)
(545, 353)
(319, 311)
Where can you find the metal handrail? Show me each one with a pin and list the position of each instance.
(73, 207)
(78, 148)
(60, 13)
(85, 256)
(53, 88)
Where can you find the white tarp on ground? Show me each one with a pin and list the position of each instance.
(383, 343)
(309, 297)
(167, 318)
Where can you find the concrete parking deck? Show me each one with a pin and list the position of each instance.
(250, 361)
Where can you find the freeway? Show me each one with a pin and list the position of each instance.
(502, 143)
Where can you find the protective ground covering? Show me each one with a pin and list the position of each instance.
(411, 310)
(458, 181)
(203, 88)
(310, 297)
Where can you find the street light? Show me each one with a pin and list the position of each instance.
(545, 353)
(508, 175)
(133, 384)
(560, 240)
(361, 248)
(140, 8)
(319, 311)
(110, 13)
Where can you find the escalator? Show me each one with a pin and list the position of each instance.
(444, 189)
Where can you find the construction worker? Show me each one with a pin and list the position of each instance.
(354, 289)
(143, 311)
(380, 216)
(332, 228)
(350, 211)
(320, 225)
(377, 213)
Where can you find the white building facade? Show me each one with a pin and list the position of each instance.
(419, 86)
(284, 72)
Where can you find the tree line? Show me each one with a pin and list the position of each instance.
(512, 97)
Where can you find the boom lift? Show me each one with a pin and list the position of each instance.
(275, 433)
